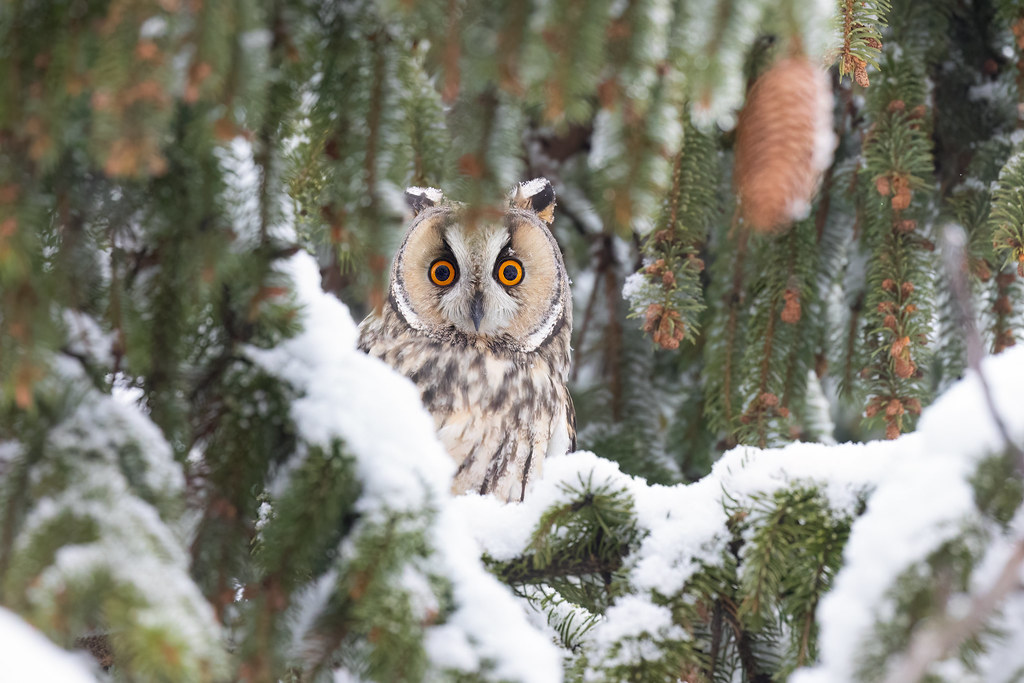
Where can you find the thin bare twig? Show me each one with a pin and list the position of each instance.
(933, 642)
(956, 270)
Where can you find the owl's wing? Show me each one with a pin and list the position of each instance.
(570, 421)
(369, 333)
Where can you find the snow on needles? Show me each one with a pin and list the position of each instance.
(685, 525)
(920, 496)
(111, 470)
(28, 656)
(346, 395)
(636, 625)
(923, 499)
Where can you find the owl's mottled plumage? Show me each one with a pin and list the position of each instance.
(490, 359)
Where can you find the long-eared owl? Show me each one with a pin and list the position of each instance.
(479, 316)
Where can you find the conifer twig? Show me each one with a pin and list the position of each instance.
(716, 640)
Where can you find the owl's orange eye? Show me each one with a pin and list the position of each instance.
(510, 272)
(442, 272)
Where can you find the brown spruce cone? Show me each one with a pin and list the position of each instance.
(664, 325)
(784, 141)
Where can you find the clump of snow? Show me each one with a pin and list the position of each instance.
(604, 145)
(487, 614)
(1004, 658)
(993, 91)
(632, 630)
(28, 656)
(449, 648)
(432, 193)
(119, 434)
(307, 605)
(583, 209)
(636, 289)
(677, 540)
(685, 525)
(242, 194)
(256, 40)
(346, 676)
(346, 395)
(532, 187)
(417, 586)
(9, 452)
(715, 45)
(86, 339)
(972, 183)
(154, 27)
(264, 515)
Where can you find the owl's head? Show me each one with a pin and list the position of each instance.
(497, 278)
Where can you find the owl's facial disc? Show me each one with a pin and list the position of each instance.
(500, 280)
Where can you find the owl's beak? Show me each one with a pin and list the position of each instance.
(476, 309)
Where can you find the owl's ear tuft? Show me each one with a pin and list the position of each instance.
(537, 196)
(421, 198)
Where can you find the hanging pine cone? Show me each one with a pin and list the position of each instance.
(784, 141)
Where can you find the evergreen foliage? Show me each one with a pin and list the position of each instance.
(201, 478)
(860, 24)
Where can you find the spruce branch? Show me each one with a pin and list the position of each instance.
(898, 159)
(1006, 223)
(578, 546)
(667, 291)
(717, 637)
(860, 22)
(935, 639)
(747, 644)
(572, 622)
